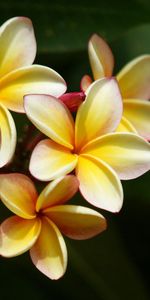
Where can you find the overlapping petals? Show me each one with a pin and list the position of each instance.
(18, 44)
(7, 136)
(51, 160)
(138, 112)
(29, 80)
(52, 258)
(57, 193)
(99, 184)
(17, 235)
(127, 154)
(96, 165)
(134, 78)
(125, 126)
(100, 113)
(133, 81)
(71, 219)
(40, 220)
(19, 77)
(51, 118)
(18, 193)
(101, 57)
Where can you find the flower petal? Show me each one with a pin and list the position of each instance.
(125, 126)
(138, 112)
(127, 153)
(18, 44)
(49, 254)
(99, 184)
(33, 79)
(51, 117)
(85, 82)
(18, 193)
(57, 192)
(134, 78)
(50, 161)
(101, 57)
(18, 235)
(77, 222)
(100, 113)
(7, 136)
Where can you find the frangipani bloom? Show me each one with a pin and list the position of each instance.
(133, 79)
(90, 145)
(19, 77)
(40, 220)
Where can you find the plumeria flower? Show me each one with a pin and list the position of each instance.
(20, 77)
(133, 79)
(91, 146)
(40, 220)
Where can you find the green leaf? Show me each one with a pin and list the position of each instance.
(133, 43)
(63, 26)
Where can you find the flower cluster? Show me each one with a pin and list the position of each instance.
(106, 141)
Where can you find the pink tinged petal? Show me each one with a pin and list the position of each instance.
(57, 192)
(18, 44)
(18, 235)
(127, 153)
(18, 193)
(73, 100)
(7, 136)
(49, 254)
(99, 184)
(100, 113)
(50, 161)
(125, 126)
(101, 57)
(51, 117)
(134, 78)
(33, 79)
(85, 82)
(77, 222)
(138, 113)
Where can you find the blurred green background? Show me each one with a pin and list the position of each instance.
(114, 265)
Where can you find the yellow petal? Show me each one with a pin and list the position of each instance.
(138, 113)
(125, 126)
(85, 82)
(49, 254)
(18, 193)
(99, 184)
(77, 222)
(51, 117)
(134, 78)
(7, 136)
(18, 44)
(18, 235)
(57, 192)
(127, 153)
(101, 57)
(50, 161)
(33, 79)
(100, 113)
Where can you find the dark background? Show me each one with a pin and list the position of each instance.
(114, 265)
